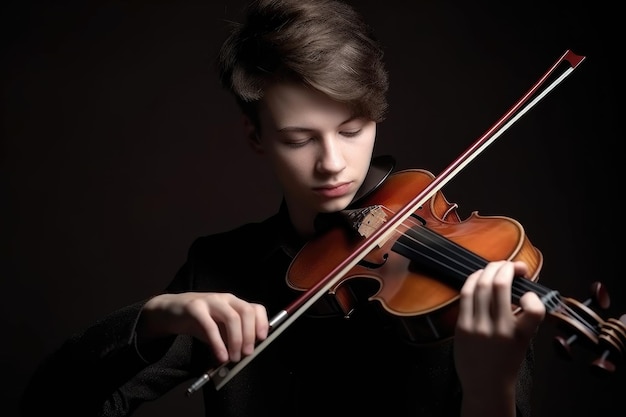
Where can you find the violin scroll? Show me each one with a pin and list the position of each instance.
(613, 341)
(608, 337)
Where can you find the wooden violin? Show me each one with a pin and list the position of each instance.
(421, 267)
(405, 235)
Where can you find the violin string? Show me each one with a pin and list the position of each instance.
(556, 304)
(443, 252)
(463, 257)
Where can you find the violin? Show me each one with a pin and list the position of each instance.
(405, 235)
(422, 266)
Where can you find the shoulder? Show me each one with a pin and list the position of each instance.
(221, 261)
(254, 238)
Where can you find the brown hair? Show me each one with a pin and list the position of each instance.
(324, 44)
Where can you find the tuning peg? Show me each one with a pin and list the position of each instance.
(599, 297)
(613, 338)
(602, 365)
(563, 346)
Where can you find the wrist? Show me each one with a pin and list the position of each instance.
(149, 325)
(489, 403)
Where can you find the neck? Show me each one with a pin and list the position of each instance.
(303, 222)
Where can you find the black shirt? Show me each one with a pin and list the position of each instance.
(356, 366)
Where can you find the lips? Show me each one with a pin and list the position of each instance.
(333, 191)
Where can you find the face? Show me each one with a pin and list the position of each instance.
(319, 151)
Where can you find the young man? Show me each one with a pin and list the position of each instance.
(311, 83)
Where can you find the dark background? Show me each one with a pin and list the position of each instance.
(119, 148)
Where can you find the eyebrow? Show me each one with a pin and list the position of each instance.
(306, 129)
(294, 129)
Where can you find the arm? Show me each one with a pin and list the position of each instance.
(137, 353)
(85, 374)
(491, 341)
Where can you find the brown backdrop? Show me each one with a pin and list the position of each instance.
(118, 145)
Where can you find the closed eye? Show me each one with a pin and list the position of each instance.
(351, 133)
(299, 143)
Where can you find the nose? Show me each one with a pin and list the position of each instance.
(331, 158)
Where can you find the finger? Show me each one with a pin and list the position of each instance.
(501, 301)
(247, 312)
(466, 301)
(231, 323)
(262, 321)
(533, 310)
(209, 331)
(532, 314)
(501, 286)
(521, 268)
(483, 297)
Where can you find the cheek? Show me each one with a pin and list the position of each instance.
(290, 167)
(360, 152)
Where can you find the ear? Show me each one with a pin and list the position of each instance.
(252, 135)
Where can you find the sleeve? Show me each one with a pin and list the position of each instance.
(101, 371)
(525, 384)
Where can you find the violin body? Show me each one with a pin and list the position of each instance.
(420, 296)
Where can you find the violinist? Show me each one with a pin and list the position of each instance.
(309, 78)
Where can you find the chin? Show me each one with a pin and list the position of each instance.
(334, 205)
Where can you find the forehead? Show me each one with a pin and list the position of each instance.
(291, 104)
